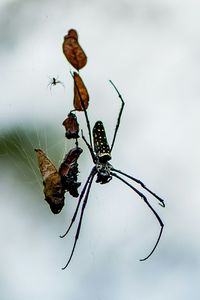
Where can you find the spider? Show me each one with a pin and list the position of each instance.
(54, 81)
(104, 172)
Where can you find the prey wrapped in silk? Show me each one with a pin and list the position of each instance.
(69, 171)
(71, 126)
(53, 188)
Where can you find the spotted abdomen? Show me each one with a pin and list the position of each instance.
(101, 147)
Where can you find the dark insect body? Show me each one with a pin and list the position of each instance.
(71, 126)
(69, 171)
(104, 171)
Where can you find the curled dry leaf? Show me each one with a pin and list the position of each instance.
(53, 189)
(73, 51)
(72, 127)
(81, 96)
(69, 170)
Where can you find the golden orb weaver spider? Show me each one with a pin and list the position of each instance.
(104, 171)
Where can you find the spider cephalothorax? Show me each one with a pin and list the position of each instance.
(104, 172)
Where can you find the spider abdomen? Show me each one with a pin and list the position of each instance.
(101, 147)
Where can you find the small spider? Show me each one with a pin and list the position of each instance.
(54, 81)
(104, 171)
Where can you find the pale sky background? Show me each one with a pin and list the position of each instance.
(151, 51)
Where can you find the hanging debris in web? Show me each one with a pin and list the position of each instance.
(53, 188)
(81, 96)
(73, 51)
(71, 126)
(69, 171)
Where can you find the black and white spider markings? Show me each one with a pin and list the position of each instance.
(104, 171)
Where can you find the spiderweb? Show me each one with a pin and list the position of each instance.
(17, 151)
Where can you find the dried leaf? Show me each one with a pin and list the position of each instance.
(73, 51)
(72, 127)
(81, 96)
(53, 189)
(68, 171)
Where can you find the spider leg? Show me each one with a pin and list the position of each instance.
(119, 116)
(49, 84)
(151, 208)
(85, 112)
(92, 173)
(61, 83)
(89, 147)
(50, 87)
(91, 177)
(162, 203)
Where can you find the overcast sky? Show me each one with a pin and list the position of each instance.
(151, 51)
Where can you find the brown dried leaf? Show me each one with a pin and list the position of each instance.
(73, 51)
(53, 189)
(72, 127)
(81, 96)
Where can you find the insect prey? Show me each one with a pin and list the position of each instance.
(71, 126)
(69, 171)
(53, 188)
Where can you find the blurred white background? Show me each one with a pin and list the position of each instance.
(151, 51)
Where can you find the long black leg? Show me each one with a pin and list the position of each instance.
(80, 220)
(119, 116)
(151, 208)
(85, 112)
(89, 147)
(162, 203)
(92, 173)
